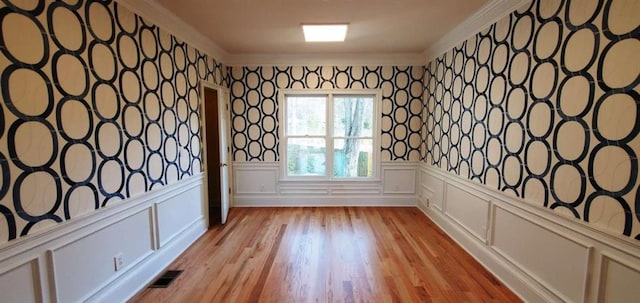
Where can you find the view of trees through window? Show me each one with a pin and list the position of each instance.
(352, 136)
(325, 129)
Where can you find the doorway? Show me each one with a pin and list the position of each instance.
(216, 167)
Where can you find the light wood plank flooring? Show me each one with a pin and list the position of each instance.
(347, 254)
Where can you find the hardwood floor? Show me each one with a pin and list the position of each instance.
(345, 254)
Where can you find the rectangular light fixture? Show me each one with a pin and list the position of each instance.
(324, 32)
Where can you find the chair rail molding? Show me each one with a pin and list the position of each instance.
(75, 260)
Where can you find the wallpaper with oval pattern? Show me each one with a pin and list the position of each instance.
(544, 105)
(254, 92)
(97, 105)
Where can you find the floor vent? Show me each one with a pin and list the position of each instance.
(165, 279)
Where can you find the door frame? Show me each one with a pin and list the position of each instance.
(203, 136)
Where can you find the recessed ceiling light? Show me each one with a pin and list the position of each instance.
(324, 32)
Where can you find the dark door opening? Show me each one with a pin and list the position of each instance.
(212, 143)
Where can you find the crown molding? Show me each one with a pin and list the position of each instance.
(487, 15)
(336, 59)
(167, 20)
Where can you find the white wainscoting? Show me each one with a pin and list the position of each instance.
(21, 284)
(557, 262)
(260, 184)
(74, 261)
(618, 279)
(541, 256)
(469, 210)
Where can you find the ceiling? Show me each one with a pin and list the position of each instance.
(267, 27)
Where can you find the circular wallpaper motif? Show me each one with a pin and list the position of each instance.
(29, 45)
(97, 98)
(27, 92)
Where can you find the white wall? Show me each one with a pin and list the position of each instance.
(74, 261)
(258, 184)
(539, 255)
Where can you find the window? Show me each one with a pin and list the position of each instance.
(330, 135)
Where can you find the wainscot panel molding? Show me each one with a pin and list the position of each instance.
(74, 261)
(21, 283)
(259, 184)
(541, 256)
(619, 278)
(468, 209)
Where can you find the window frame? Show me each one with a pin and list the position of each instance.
(329, 136)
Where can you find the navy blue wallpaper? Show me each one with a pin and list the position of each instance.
(254, 93)
(544, 105)
(97, 105)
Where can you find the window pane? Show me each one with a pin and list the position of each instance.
(306, 157)
(306, 116)
(353, 116)
(352, 158)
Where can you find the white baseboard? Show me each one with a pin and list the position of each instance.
(328, 201)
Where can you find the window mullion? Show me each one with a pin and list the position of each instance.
(329, 137)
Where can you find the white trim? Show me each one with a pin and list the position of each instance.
(165, 19)
(250, 176)
(401, 163)
(413, 170)
(484, 200)
(538, 212)
(598, 247)
(36, 274)
(126, 286)
(338, 59)
(544, 225)
(20, 261)
(325, 201)
(606, 258)
(94, 220)
(42, 245)
(488, 14)
(425, 197)
(100, 287)
(56, 247)
(549, 287)
(513, 279)
(160, 244)
(252, 164)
